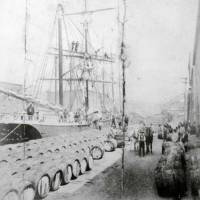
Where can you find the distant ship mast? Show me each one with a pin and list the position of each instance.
(85, 55)
(60, 55)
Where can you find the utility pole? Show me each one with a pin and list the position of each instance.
(123, 60)
(185, 97)
(189, 95)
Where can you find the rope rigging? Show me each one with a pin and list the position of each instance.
(48, 70)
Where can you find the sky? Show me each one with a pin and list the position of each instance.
(159, 38)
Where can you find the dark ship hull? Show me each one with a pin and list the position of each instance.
(11, 133)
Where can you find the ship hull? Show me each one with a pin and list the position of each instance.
(20, 132)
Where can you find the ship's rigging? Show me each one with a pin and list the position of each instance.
(81, 74)
(76, 65)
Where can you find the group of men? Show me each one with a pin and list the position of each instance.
(144, 138)
(165, 132)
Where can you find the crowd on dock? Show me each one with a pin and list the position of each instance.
(142, 138)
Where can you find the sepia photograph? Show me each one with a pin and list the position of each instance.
(100, 100)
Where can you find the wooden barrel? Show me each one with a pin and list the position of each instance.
(9, 188)
(96, 152)
(12, 194)
(56, 181)
(109, 146)
(84, 165)
(38, 176)
(90, 162)
(27, 191)
(114, 142)
(43, 186)
(76, 169)
(67, 174)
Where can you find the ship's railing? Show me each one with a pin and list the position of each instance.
(20, 117)
(38, 117)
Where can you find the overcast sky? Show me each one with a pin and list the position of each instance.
(159, 37)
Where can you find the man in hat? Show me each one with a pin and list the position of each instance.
(142, 138)
(30, 111)
(149, 139)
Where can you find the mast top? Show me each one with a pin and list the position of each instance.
(60, 10)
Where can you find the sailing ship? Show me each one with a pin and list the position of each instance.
(82, 76)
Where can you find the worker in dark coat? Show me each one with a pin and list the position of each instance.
(165, 133)
(184, 140)
(142, 138)
(149, 139)
(113, 122)
(126, 120)
(30, 111)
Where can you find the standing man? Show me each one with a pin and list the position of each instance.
(126, 120)
(149, 139)
(160, 132)
(181, 132)
(184, 140)
(30, 111)
(193, 129)
(165, 133)
(113, 122)
(142, 138)
(134, 140)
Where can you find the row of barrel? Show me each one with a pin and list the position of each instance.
(31, 170)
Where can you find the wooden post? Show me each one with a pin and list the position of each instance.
(123, 60)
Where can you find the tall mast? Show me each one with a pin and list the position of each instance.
(70, 86)
(25, 44)
(60, 52)
(113, 92)
(86, 30)
(196, 42)
(85, 61)
(103, 88)
(60, 55)
(55, 66)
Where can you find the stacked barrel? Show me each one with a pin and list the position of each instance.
(194, 174)
(170, 175)
(31, 170)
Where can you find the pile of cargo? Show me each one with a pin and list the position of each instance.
(168, 139)
(160, 136)
(170, 171)
(31, 170)
(193, 144)
(194, 173)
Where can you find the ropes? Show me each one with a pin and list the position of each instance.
(38, 85)
(10, 133)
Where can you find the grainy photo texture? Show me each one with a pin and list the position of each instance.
(99, 100)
